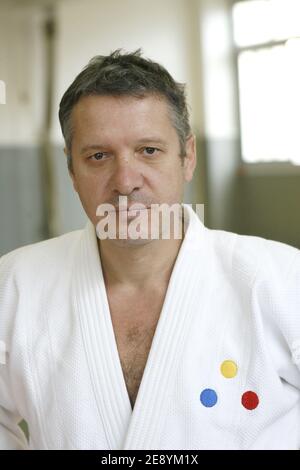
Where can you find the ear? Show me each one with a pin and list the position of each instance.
(190, 160)
(71, 172)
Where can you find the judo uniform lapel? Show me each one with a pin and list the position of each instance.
(140, 428)
(91, 303)
(183, 300)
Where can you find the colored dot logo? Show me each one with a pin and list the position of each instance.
(250, 400)
(208, 398)
(229, 369)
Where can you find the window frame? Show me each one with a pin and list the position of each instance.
(256, 168)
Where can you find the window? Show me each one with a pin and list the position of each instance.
(267, 37)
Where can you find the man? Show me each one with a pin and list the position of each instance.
(145, 342)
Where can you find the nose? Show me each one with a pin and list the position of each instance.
(126, 176)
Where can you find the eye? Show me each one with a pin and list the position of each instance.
(150, 150)
(97, 156)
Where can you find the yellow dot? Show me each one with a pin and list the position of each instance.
(229, 369)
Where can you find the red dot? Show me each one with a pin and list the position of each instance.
(250, 400)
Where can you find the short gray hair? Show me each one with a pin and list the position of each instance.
(128, 74)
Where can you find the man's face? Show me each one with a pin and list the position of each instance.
(127, 146)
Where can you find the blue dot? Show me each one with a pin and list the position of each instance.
(208, 397)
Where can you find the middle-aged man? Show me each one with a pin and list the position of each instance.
(113, 338)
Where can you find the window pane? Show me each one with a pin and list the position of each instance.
(261, 21)
(270, 103)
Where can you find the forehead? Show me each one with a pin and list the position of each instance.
(115, 116)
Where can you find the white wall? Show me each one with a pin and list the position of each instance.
(220, 97)
(221, 127)
(21, 68)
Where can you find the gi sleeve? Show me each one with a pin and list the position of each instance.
(11, 435)
(289, 321)
(280, 297)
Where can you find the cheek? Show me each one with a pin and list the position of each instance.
(91, 191)
(168, 186)
(91, 195)
(87, 181)
(175, 175)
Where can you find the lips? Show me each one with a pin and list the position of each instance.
(132, 208)
(131, 212)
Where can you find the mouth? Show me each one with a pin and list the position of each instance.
(132, 213)
(132, 208)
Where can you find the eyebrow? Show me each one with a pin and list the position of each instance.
(153, 139)
(90, 147)
(144, 140)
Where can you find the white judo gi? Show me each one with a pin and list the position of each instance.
(222, 372)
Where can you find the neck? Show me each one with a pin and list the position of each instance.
(138, 266)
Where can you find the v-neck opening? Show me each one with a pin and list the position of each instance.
(130, 427)
(114, 344)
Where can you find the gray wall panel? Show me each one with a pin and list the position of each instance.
(21, 198)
